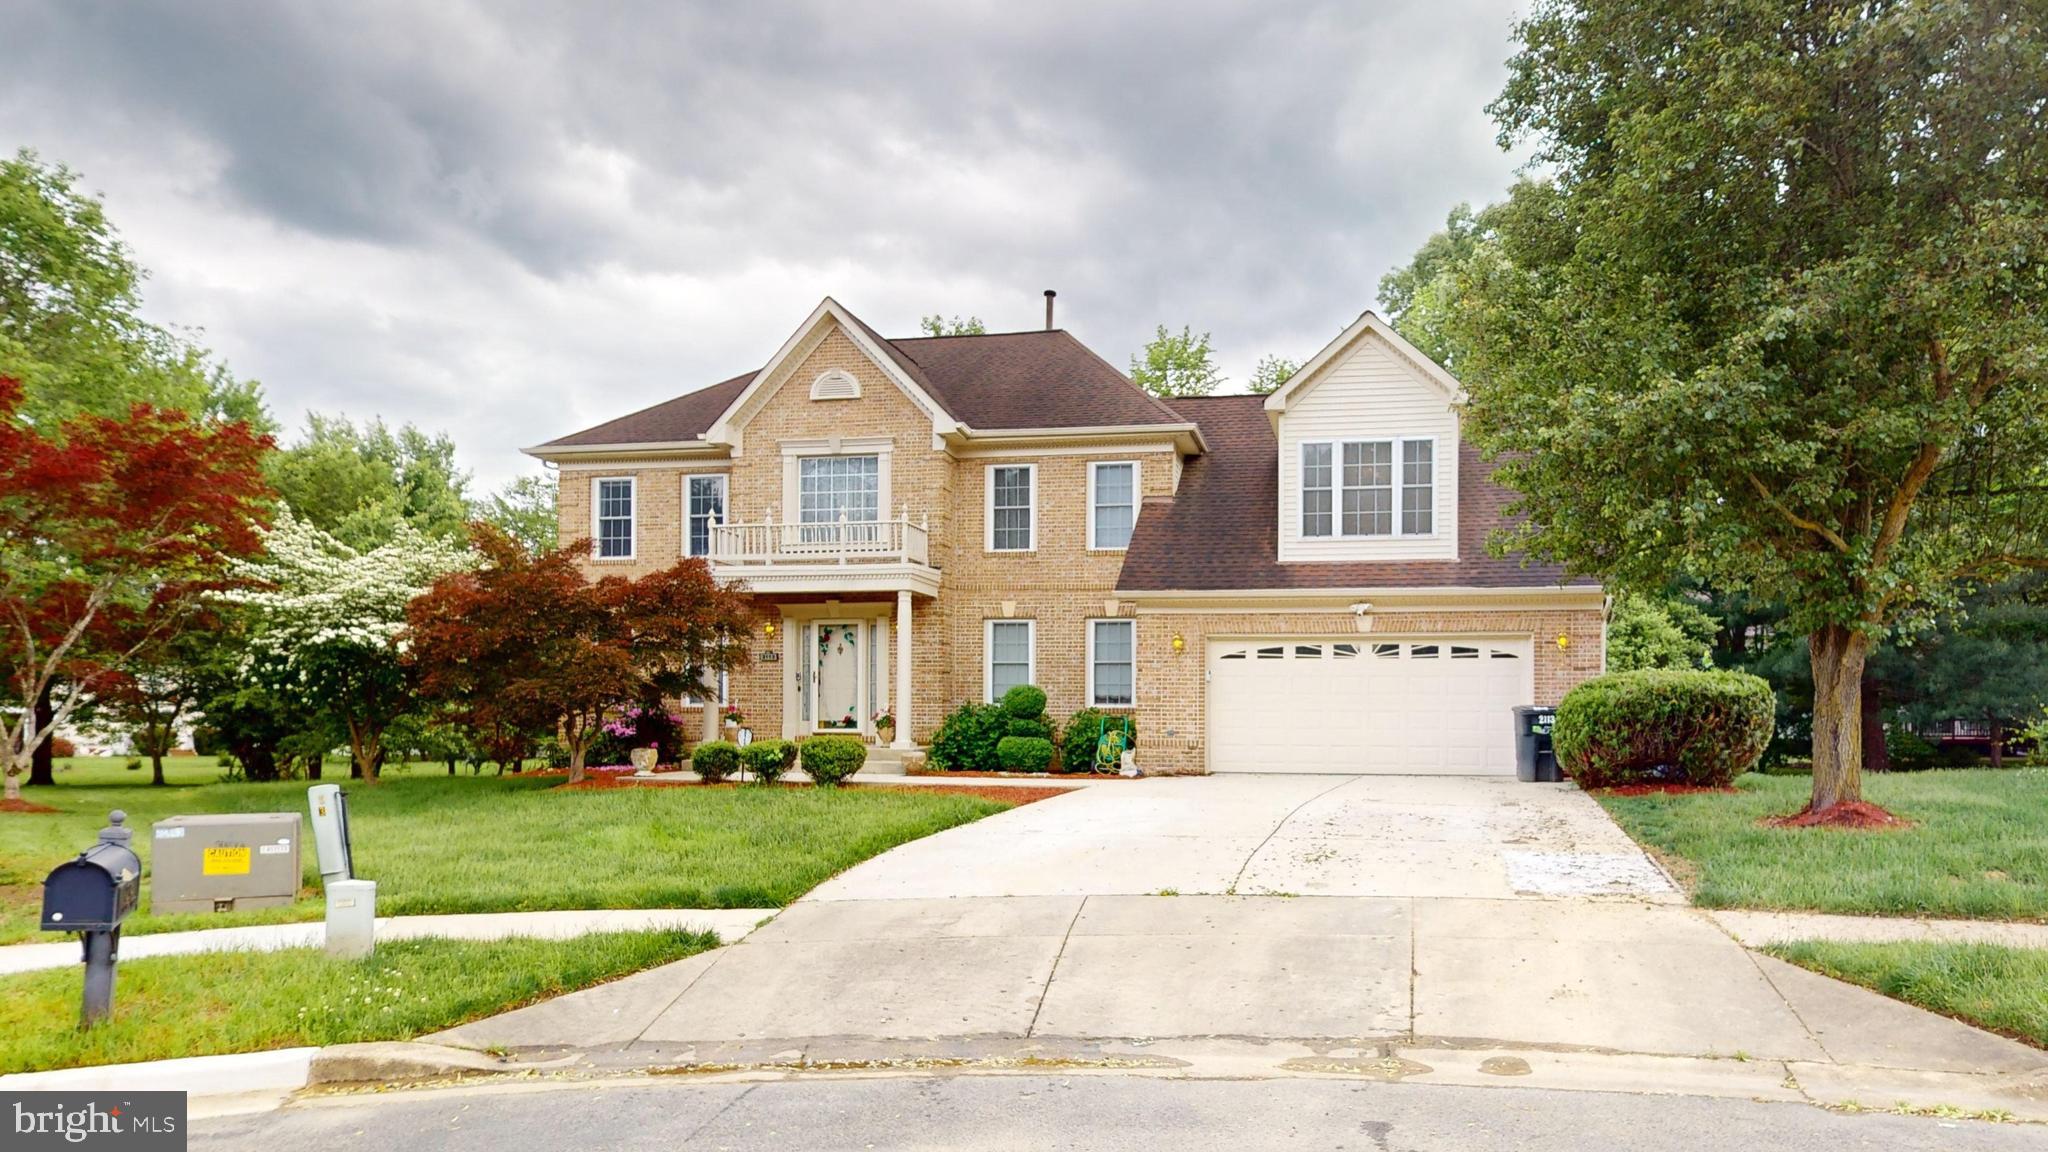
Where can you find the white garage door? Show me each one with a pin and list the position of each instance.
(1367, 704)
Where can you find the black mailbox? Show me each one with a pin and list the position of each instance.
(96, 891)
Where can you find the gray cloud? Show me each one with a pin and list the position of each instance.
(513, 220)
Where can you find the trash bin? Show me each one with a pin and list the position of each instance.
(1534, 760)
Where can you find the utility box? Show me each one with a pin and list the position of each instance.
(224, 862)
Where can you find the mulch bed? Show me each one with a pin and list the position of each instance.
(952, 775)
(609, 780)
(1850, 814)
(25, 807)
(1663, 789)
(1016, 796)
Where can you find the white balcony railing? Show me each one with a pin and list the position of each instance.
(840, 541)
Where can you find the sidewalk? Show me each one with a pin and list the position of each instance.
(1759, 928)
(731, 924)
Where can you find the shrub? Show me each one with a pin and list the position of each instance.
(1024, 753)
(1664, 726)
(768, 759)
(1024, 702)
(830, 759)
(716, 760)
(1077, 751)
(1037, 726)
(966, 740)
(62, 748)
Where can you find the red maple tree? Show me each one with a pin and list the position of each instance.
(528, 644)
(109, 530)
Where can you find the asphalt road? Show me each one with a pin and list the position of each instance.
(1095, 1112)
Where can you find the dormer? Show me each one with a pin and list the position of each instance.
(1368, 452)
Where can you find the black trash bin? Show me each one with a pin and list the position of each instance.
(1534, 760)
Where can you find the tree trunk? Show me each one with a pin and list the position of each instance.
(42, 767)
(156, 764)
(1997, 743)
(1877, 757)
(313, 766)
(1838, 654)
(13, 771)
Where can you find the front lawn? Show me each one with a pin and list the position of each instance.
(436, 843)
(1989, 985)
(1979, 849)
(221, 1002)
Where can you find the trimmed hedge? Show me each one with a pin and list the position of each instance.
(966, 739)
(768, 759)
(1024, 753)
(1037, 726)
(715, 760)
(1084, 728)
(1664, 726)
(1025, 702)
(830, 759)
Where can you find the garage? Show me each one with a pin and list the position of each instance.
(1430, 705)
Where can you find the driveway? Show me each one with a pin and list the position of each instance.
(1436, 922)
(1398, 836)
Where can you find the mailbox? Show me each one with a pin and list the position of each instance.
(98, 889)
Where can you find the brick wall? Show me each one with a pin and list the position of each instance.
(1172, 688)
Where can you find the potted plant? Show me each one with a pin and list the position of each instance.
(732, 718)
(885, 726)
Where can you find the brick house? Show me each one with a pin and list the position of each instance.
(1294, 582)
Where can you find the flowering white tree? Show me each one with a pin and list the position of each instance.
(330, 618)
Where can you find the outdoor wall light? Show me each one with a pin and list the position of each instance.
(1563, 641)
(768, 629)
(1178, 643)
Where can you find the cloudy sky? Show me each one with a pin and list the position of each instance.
(512, 220)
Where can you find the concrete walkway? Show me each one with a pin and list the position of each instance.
(1760, 928)
(731, 925)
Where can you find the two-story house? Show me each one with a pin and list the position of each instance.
(1294, 583)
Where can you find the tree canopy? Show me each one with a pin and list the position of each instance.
(1775, 318)
(1176, 364)
(937, 325)
(1271, 372)
(524, 509)
(360, 483)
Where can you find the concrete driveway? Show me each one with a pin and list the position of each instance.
(1427, 922)
(1400, 836)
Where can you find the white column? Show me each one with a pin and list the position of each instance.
(900, 690)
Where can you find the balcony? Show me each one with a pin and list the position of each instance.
(827, 556)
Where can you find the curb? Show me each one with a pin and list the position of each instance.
(241, 1082)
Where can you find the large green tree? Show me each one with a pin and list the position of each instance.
(359, 483)
(1775, 318)
(524, 509)
(1176, 364)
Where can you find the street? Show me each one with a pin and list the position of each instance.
(1094, 1112)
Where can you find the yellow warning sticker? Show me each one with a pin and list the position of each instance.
(232, 861)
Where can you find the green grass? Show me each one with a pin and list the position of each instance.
(113, 771)
(436, 843)
(199, 1005)
(1979, 850)
(1989, 985)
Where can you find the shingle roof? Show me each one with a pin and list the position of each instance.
(1042, 379)
(683, 418)
(1219, 532)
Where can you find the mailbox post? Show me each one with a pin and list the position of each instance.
(91, 895)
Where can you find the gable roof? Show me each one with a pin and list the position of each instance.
(1368, 323)
(1220, 533)
(1005, 381)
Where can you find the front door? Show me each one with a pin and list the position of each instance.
(839, 668)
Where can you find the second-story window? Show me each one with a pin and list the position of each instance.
(707, 508)
(614, 505)
(1360, 488)
(1011, 488)
(1112, 504)
(1316, 484)
(831, 487)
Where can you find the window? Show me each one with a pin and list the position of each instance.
(690, 700)
(1012, 496)
(1418, 487)
(1368, 488)
(1112, 663)
(1010, 655)
(1422, 652)
(1112, 504)
(706, 495)
(1315, 490)
(613, 499)
(829, 487)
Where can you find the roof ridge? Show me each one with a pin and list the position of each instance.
(979, 335)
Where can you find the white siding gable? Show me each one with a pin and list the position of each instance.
(1369, 392)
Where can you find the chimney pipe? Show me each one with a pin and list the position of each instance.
(1049, 294)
